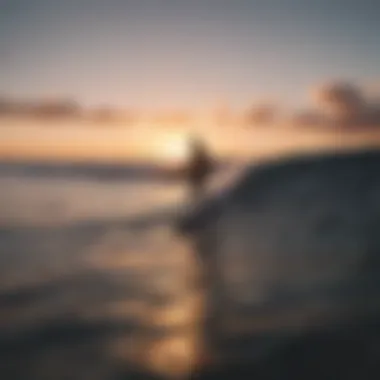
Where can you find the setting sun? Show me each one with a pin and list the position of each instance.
(172, 147)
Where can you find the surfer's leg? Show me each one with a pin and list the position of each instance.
(195, 193)
(198, 192)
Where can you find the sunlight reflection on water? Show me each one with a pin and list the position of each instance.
(78, 288)
(122, 298)
(147, 295)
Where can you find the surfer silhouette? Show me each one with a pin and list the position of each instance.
(198, 169)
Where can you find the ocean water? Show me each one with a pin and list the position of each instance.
(87, 294)
(95, 284)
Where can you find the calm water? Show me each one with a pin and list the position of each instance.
(85, 296)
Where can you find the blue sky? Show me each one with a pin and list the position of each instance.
(195, 53)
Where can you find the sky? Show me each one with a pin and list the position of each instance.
(181, 54)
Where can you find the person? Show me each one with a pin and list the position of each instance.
(199, 168)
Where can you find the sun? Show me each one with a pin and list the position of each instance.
(173, 147)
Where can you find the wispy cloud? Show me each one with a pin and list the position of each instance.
(345, 104)
(262, 114)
